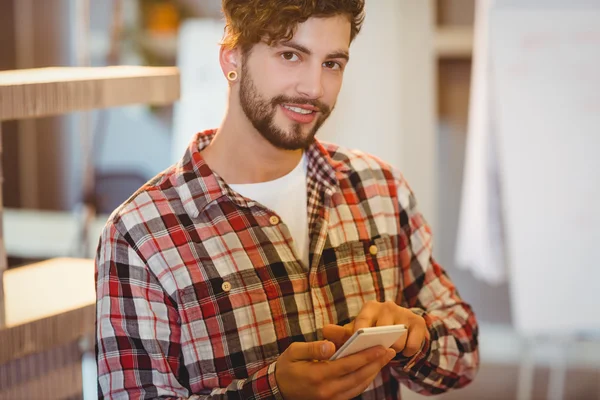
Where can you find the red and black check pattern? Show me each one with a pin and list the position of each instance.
(199, 289)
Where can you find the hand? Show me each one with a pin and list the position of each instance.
(375, 313)
(304, 372)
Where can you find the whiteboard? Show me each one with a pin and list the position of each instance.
(546, 80)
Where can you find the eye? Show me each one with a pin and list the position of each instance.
(332, 65)
(289, 56)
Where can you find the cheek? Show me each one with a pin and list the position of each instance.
(277, 78)
(332, 90)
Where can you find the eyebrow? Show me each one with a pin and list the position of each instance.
(336, 54)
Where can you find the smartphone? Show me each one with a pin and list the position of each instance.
(365, 338)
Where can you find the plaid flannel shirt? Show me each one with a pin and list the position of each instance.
(200, 290)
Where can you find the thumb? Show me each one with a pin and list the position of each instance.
(321, 350)
(337, 334)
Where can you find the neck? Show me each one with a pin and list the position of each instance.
(241, 155)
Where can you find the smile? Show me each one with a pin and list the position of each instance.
(299, 110)
(300, 114)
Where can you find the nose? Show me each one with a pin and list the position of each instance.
(310, 84)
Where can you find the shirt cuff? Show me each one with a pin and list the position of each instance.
(273, 382)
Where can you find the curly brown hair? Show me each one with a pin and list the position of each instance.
(251, 21)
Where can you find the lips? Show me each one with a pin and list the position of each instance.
(302, 114)
(306, 107)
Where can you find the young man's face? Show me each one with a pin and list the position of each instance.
(289, 89)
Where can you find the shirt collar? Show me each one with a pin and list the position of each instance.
(198, 186)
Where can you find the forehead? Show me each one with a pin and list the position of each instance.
(323, 35)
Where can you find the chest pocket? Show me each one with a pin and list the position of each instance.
(368, 270)
(235, 320)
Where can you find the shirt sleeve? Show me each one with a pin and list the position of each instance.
(138, 335)
(450, 358)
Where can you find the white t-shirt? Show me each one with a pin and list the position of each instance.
(287, 197)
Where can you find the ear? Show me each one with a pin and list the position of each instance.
(230, 60)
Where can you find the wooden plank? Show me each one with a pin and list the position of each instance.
(47, 288)
(52, 374)
(62, 383)
(454, 42)
(42, 92)
(47, 333)
(47, 304)
(28, 368)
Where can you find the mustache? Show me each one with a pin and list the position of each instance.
(323, 108)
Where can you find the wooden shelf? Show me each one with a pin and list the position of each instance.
(43, 92)
(47, 304)
(47, 288)
(454, 42)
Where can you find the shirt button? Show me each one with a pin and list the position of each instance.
(373, 250)
(274, 220)
(226, 286)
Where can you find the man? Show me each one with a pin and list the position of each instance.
(237, 272)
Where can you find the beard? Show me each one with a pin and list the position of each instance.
(261, 113)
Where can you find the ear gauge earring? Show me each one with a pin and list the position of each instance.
(232, 76)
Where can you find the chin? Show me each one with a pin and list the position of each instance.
(292, 141)
(287, 135)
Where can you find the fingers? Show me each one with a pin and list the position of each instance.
(367, 316)
(321, 350)
(374, 313)
(350, 327)
(354, 362)
(385, 318)
(336, 334)
(355, 383)
(358, 389)
(299, 377)
(401, 342)
(416, 335)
